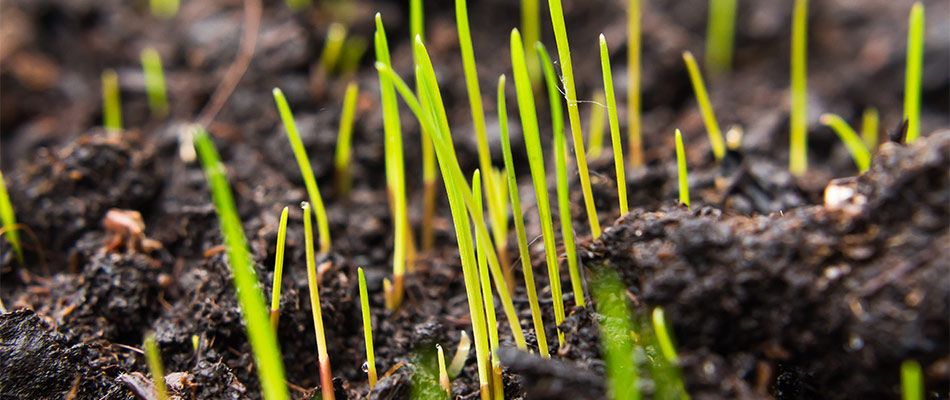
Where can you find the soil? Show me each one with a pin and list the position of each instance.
(772, 288)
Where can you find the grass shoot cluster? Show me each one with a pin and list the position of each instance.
(854, 143)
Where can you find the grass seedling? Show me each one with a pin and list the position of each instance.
(154, 82)
(367, 331)
(326, 377)
(914, 72)
(395, 173)
(461, 354)
(709, 118)
(615, 334)
(332, 46)
(164, 8)
(912, 381)
(854, 143)
(681, 168)
(443, 374)
(429, 177)
(532, 142)
(8, 217)
(531, 26)
(720, 34)
(487, 298)
(111, 105)
(798, 152)
(344, 141)
(519, 223)
(663, 335)
(278, 269)
(633, 89)
(869, 126)
(445, 151)
(270, 367)
(497, 216)
(564, 54)
(353, 50)
(300, 153)
(563, 192)
(153, 357)
(614, 125)
(598, 119)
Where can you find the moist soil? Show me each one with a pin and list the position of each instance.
(772, 286)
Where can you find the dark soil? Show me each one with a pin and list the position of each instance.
(770, 290)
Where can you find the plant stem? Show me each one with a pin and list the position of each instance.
(153, 357)
(111, 105)
(914, 72)
(326, 377)
(8, 217)
(720, 35)
(278, 269)
(154, 82)
(614, 125)
(702, 97)
(681, 168)
(633, 89)
(869, 126)
(798, 155)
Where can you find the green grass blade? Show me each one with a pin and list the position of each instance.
(564, 210)
(564, 54)
(483, 275)
(702, 97)
(912, 381)
(333, 46)
(154, 82)
(532, 142)
(300, 153)
(663, 336)
(531, 26)
(8, 217)
(519, 223)
(278, 269)
(614, 125)
(720, 34)
(634, 141)
(914, 72)
(111, 105)
(798, 152)
(615, 334)
(869, 127)
(367, 331)
(270, 367)
(857, 148)
(153, 358)
(598, 120)
(344, 141)
(681, 168)
(326, 380)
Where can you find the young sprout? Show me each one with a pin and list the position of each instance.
(326, 377)
(270, 367)
(857, 148)
(564, 54)
(532, 142)
(353, 50)
(720, 33)
(633, 89)
(443, 374)
(798, 153)
(154, 359)
(915, 66)
(709, 118)
(531, 26)
(869, 124)
(333, 46)
(563, 199)
(497, 216)
(278, 269)
(614, 125)
(681, 168)
(8, 217)
(395, 172)
(164, 8)
(154, 82)
(598, 119)
(461, 354)
(519, 222)
(429, 177)
(615, 334)
(367, 331)
(487, 298)
(111, 105)
(663, 335)
(300, 153)
(912, 381)
(344, 179)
